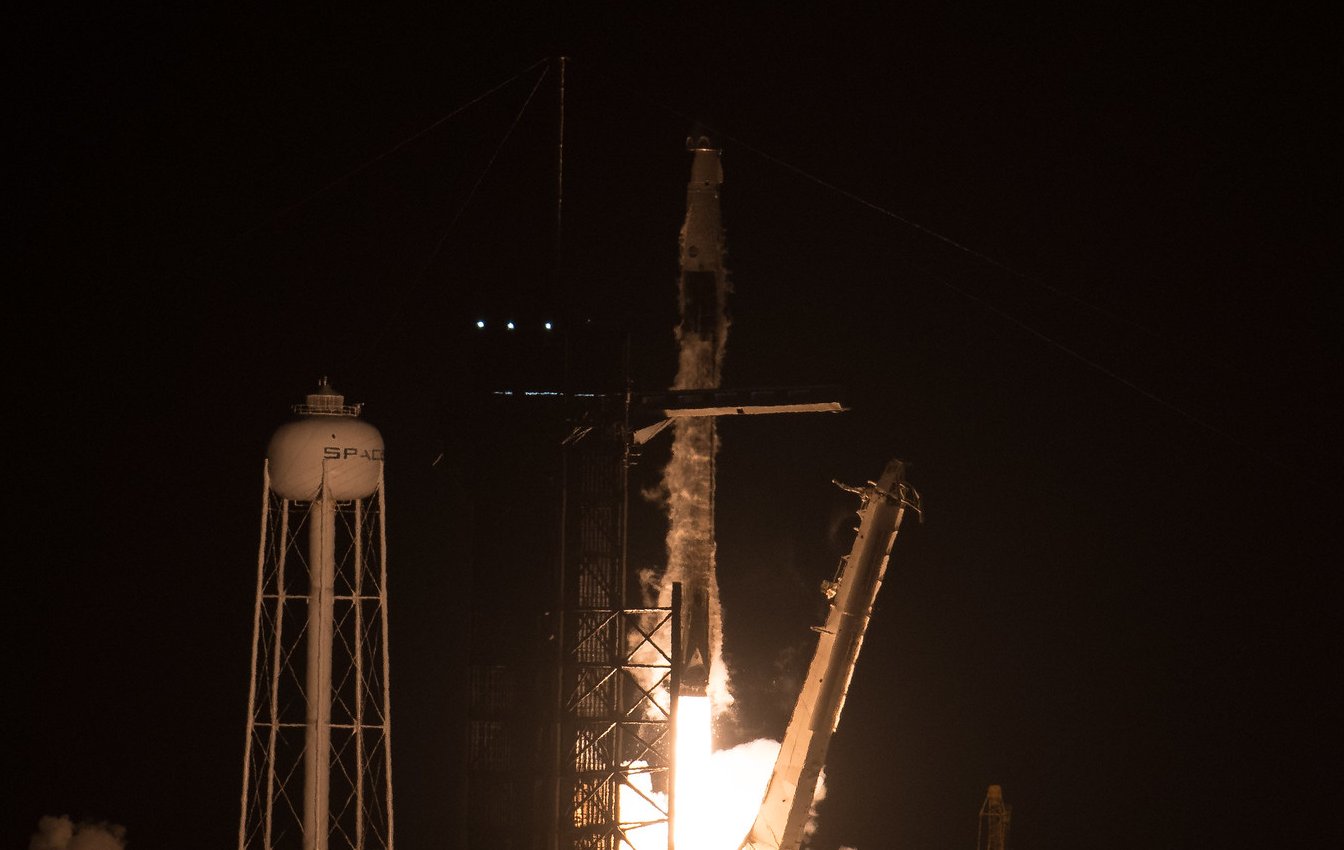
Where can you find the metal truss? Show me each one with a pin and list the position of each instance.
(614, 730)
(272, 802)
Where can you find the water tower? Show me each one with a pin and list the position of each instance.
(317, 763)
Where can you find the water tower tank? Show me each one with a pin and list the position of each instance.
(327, 439)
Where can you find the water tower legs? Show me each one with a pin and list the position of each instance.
(321, 614)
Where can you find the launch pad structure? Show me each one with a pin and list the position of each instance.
(619, 670)
(623, 669)
(615, 692)
(601, 701)
(590, 690)
(619, 663)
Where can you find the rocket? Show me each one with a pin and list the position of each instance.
(703, 277)
(689, 477)
(695, 657)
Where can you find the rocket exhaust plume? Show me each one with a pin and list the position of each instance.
(711, 813)
(688, 479)
(718, 793)
(706, 785)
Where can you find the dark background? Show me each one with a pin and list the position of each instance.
(1120, 606)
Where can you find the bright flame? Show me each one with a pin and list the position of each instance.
(718, 793)
(641, 811)
(695, 804)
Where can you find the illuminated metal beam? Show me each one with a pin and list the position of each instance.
(648, 432)
(821, 407)
(780, 824)
(687, 404)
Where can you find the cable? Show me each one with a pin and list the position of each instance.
(419, 278)
(285, 210)
(1090, 363)
(971, 252)
(485, 171)
(881, 210)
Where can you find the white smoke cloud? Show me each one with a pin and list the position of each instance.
(61, 833)
(52, 834)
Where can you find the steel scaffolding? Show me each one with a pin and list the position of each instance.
(613, 734)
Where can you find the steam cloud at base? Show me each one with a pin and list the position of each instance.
(61, 833)
(731, 785)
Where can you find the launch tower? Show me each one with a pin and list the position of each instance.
(617, 674)
(317, 762)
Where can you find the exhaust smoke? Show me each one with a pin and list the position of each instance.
(61, 833)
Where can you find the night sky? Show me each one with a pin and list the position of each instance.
(1072, 264)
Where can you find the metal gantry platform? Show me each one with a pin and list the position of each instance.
(615, 687)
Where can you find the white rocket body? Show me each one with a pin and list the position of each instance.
(702, 232)
(689, 476)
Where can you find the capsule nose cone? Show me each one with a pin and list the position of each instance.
(699, 140)
(706, 165)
